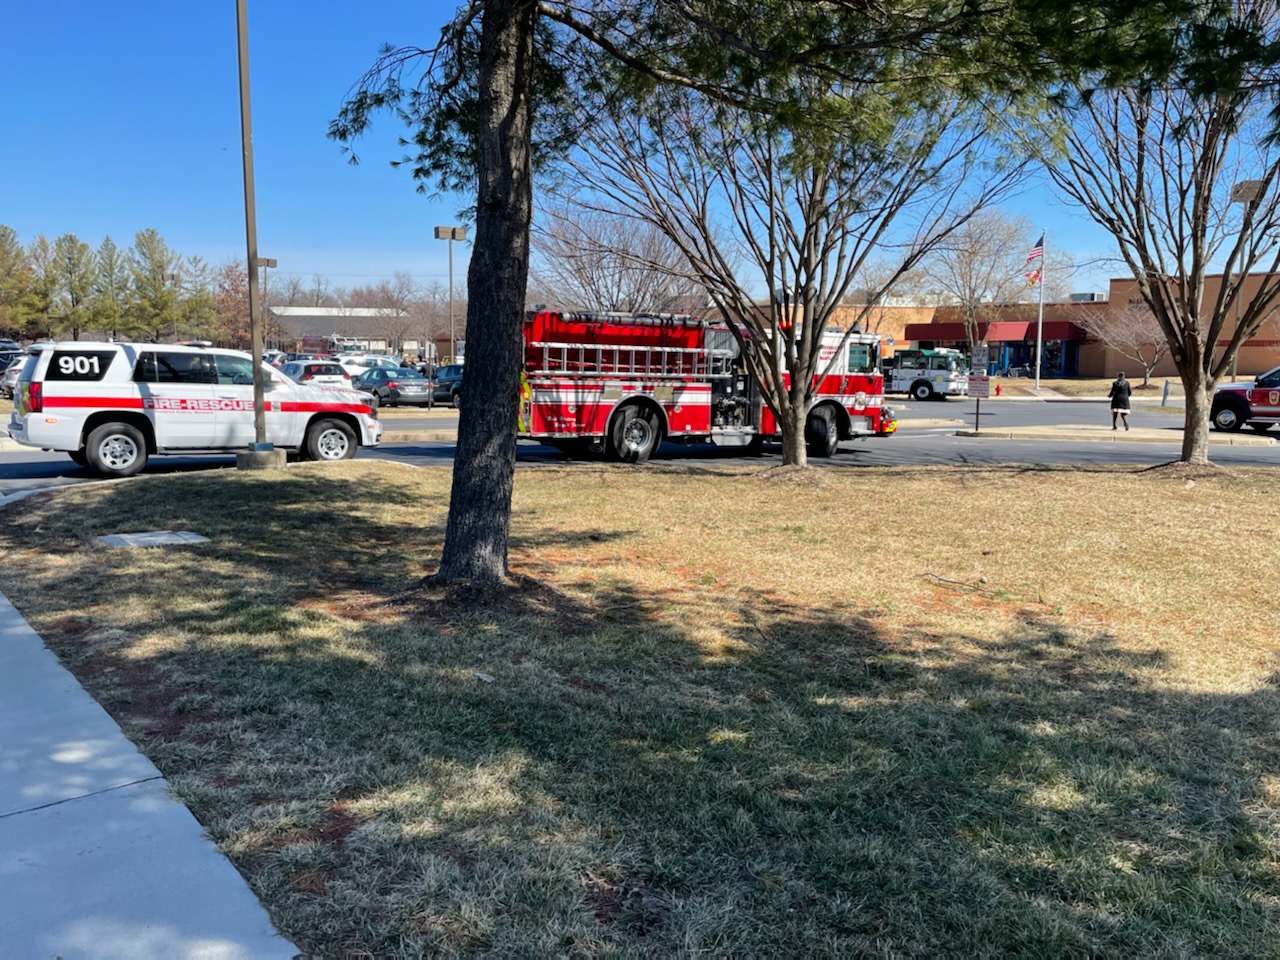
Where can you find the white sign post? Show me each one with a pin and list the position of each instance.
(979, 382)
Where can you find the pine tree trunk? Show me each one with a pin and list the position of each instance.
(475, 543)
(1195, 430)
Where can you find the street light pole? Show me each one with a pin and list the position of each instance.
(1247, 192)
(264, 263)
(451, 234)
(165, 280)
(251, 230)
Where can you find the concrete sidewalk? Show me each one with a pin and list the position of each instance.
(97, 860)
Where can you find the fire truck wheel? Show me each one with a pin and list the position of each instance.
(922, 390)
(635, 434)
(822, 434)
(331, 440)
(755, 446)
(115, 450)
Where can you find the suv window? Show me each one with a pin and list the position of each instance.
(324, 369)
(164, 367)
(234, 370)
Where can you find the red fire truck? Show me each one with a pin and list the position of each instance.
(621, 383)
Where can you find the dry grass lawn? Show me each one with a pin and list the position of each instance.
(729, 711)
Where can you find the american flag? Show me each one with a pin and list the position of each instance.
(1037, 251)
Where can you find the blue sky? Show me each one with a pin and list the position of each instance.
(122, 116)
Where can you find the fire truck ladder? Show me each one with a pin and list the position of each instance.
(633, 361)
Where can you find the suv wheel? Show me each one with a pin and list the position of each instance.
(330, 440)
(1228, 416)
(456, 399)
(115, 450)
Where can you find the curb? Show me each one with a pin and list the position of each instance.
(1215, 438)
(419, 436)
(1131, 436)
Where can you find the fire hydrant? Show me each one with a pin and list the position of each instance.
(999, 388)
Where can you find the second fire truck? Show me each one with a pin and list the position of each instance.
(926, 374)
(620, 384)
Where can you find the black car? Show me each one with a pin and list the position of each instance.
(391, 387)
(449, 384)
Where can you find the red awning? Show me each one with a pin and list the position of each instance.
(1008, 331)
(1059, 330)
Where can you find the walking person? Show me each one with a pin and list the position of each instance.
(1119, 395)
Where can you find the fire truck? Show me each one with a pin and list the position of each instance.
(926, 374)
(620, 384)
(332, 345)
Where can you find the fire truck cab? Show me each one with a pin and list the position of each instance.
(620, 384)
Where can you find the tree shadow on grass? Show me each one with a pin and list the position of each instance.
(568, 770)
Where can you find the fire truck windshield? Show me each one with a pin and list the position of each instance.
(861, 358)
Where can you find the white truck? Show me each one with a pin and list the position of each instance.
(926, 374)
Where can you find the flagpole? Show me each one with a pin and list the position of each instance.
(1044, 246)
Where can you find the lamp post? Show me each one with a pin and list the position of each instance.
(264, 263)
(260, 444)
(451, 234)
(165, 280)
(1247, 192)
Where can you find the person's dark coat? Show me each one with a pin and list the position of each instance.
(1120, 393)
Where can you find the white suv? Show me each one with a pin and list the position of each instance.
(110, 405)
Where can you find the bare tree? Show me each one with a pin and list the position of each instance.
(981, 267)
(1157, 166)
(394, 300)
(319, 294)
(805, 213)
(877, 285)
(288, 291)
(1131, 330)
(605, 260)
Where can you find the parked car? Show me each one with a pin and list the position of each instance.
(448, 387)
(356, 365)
(9, 379)
(318, 373)
(1256, 403)
(401, 386)
(8, 356)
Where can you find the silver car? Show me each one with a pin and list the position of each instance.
(320, 373)
(9, 379)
